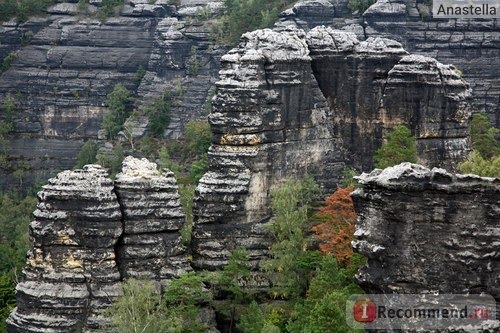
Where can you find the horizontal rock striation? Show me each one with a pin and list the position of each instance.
(270, 122)
(88, 235)
(151, 244)
(290, 103)
(71, 272)
(427, 231)
(373, 85)
(67, 62)
(472, 45)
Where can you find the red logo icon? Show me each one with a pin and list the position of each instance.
(365, 311)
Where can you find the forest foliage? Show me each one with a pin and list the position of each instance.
(400, 146)
(484, 160)
(308, 293)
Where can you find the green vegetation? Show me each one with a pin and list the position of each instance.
(112, 160)
(22, 9)
(484, 160)
(400, 146)
(139, 74)
(241, 16)
(309, 288)
(14, 243)
(359, 5)
(159, 115)
(143, 309)
(87, 154)
(7, 61)
(117, 101)
(291, 204)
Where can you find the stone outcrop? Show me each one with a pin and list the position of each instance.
(151, 244)
(270, 121)
(88, 235)
(473, 46)
(290, 103)
(67, 62)
(427, 231)
(71, 272)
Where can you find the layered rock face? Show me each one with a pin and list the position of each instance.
(151, 245)
(473, 46)
(428, 231)
(66, 63)
(290, 103)
(89, 234)
(270, 122)
(374, 85)
(71, 272)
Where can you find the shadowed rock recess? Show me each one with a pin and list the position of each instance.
(290, 103)
(86, 240)
(428, 231)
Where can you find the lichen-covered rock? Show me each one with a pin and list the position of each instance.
(151, 246)
(428, 231)
(270, 121)
(71, 272)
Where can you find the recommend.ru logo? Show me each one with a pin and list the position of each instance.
(417, 312)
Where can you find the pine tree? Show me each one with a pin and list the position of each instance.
(400, 147)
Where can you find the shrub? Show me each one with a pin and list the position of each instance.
(359, 5)
(159, 115)
(485, 138)
(400, 147)
(117, 101)
(7, 61)
(478, 165)
(87, 154)
(198, 136)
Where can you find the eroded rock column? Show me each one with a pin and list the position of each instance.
(71, 273)
(151, 246)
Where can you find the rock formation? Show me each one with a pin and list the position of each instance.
(87, 239)
(428, 231)
(151, 244)
(290, 103)
(67, 62)
(270, 122)
(71, 272)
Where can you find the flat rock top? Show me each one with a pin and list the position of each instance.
(409, 173)
(134, 167)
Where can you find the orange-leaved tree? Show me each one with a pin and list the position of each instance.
(336, 231)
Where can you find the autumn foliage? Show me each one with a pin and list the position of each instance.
(336, 231)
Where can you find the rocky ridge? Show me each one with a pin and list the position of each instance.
(88, 235)
(67, 62)
(284, 107)
(420, 227)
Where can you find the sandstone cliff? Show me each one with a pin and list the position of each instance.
(67, 62)
(427, 231)
(290, 103)
(88, 235)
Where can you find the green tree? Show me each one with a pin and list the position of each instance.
(291, 205)
(198, 136)
(9, 107)
(484, 160)
(478, 165)
(87, 154)
(117, 101)
(485, 138)
(400, 146)
(359, 5)
(159, 115)
(112, 160)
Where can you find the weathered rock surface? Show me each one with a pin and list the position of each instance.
(473, 46)
(290, 103)
(374, 85)
(89, 234)
(270, 121)
(151, 245)
(71, 272)
(66, 64)
(428, 231)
